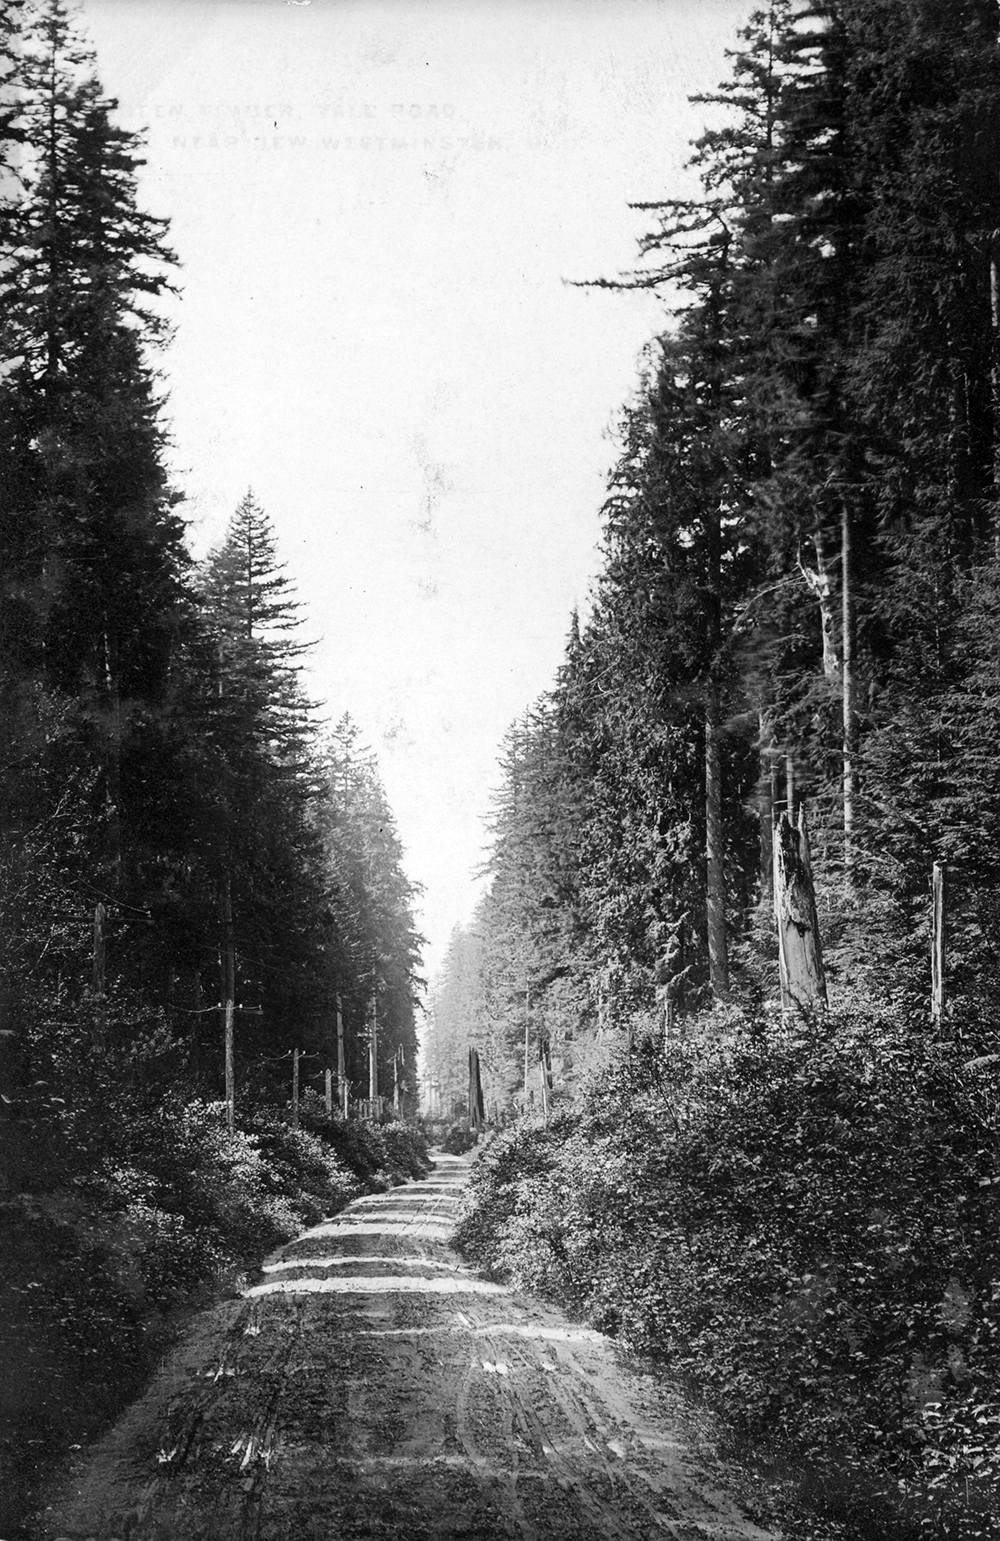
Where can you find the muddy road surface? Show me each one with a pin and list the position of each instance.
(370, 1385)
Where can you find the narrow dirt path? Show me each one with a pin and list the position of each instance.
(371, 1386)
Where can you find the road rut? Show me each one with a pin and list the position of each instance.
(370, 1385)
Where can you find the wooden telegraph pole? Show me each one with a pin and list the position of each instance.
(229, 1007)
(229, 995)
(295, 1088)
(939, 919)
(341, 1067)
(100, 915)
(328, 1093)
(847, 690)
(544, 1070)
(373, 1053)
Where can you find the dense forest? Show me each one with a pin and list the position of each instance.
(792, 643)
(188, 853)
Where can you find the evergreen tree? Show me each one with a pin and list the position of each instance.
(92, 563)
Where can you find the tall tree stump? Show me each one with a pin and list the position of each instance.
(477, 1106)
(800, 954)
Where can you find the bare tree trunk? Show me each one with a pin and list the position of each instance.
(800, 956)
(821, 587)
(995, 319)
(674, 973)
(715, 871)
(477, 1106)
(847, 689)
(765, 812)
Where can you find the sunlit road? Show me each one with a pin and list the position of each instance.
(369, 1385)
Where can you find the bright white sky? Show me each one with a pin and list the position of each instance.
(376, 204)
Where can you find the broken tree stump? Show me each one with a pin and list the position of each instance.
(800, 953)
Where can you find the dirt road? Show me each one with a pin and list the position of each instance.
(369, 1385)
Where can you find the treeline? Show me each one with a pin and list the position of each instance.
(178, 831)
(162, 762)
(798, 600)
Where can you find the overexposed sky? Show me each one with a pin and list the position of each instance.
(376, 204)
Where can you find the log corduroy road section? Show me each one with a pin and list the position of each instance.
(369, 1384)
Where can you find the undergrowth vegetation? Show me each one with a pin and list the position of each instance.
(110, 1242)
(801, 1222)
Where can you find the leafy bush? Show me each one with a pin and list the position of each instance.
(802, 1223)
(458, 1139)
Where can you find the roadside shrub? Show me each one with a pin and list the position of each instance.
(406, 1151)
(526, 1153)
(458, 1139)
(377, 1154)
(804, 1224)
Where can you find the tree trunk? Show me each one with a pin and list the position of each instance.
(765, 812)
(800, 957)
(995, 374)
(715, 871)
(820, 585)
(847, 688)
(476, 1106)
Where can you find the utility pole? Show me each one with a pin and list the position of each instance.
(373, 1051)
(543, 1066)
(715, 881)
(527, 1031)
(100, 915)
(295, 1088)
(229, 995)
(341, 1068)
(939, 918)
(847, 689)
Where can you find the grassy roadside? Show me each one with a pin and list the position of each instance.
(108, 1251)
